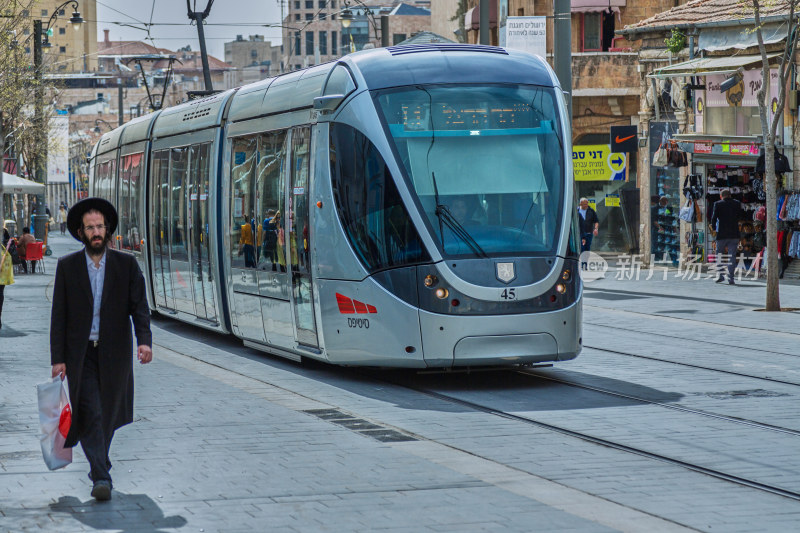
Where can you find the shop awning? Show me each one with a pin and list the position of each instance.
(712, 65)
(596, 6)
(12, 184)
(472, 19)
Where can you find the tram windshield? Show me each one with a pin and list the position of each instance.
(486, 162)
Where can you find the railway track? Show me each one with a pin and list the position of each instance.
(739, 480)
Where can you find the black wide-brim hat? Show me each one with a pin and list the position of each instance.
(76, 212)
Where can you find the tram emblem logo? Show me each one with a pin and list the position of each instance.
(505, 272)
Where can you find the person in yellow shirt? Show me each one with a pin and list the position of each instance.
(247, 245)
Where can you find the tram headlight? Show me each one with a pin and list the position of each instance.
(442, 293)
(561, 288)
(566, 275)
(430, 281)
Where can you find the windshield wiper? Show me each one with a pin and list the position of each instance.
(446, 217)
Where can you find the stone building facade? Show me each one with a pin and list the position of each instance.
(253, 52)
(70, 50)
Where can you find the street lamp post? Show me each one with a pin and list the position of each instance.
(40, 164)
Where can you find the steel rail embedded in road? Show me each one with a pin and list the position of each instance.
(690, 365)
(733, 419)
(602, 442)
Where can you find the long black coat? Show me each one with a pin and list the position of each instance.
(71, 322)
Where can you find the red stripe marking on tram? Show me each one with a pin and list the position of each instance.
(345, 304)
(361, 307)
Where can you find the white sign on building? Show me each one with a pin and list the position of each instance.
(528, 34)
(58, 151)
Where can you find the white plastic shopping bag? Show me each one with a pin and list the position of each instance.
(55, 418)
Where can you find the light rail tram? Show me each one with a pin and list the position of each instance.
(408, 206)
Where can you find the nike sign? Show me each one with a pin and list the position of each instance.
(622, 140)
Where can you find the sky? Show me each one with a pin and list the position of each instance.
(171, 26)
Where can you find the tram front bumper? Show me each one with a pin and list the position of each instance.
(457, 341)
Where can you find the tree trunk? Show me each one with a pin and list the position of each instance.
(771, 186)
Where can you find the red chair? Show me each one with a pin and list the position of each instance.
(33, 252)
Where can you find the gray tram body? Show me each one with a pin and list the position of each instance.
(208, 169)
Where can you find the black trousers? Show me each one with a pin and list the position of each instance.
(94, 441)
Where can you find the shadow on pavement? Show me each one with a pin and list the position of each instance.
(125, 512)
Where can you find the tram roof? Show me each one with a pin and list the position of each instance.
(137, 129)
(190, 116)
(295, 90)
(449, 63)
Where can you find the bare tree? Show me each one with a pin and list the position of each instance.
(769, 128)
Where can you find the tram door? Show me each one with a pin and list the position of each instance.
(160, 235)
(299, 238)
(201, 277)
(180, 272)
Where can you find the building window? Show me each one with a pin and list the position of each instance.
(62, 49)
(309, 16)
(398, 38)
(25, 13)
(309, 43)
(322, 3)
(309, 4)
(333, 4)
(44, 12)
(297, 50)
(321, 16)
(297, 4)
(597, 31)
(27, 49)
(591, 32)
(323, 43)
(61, 12)
(62, 31)
(254, 53)
(334, 44)
(297, 16)
(333, 17)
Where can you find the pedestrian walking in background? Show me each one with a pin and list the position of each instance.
(62, 218)
(589, 224)
(6, 270)
(95, 354)
(725, 220)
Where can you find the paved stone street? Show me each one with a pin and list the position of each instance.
(230, 439)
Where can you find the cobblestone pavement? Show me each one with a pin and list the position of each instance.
(229, 439)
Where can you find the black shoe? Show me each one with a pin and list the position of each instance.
(731, 282)
(720, 279)
(101, 490)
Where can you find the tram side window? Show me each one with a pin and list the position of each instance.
(243, 229)
(110, 182)
(177, 184)
(369, 206)
(270, 184)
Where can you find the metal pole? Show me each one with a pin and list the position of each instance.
(203, 55)
(119, 102)
(40, 165)
(485, 35)
(384, 31)
(562, 47)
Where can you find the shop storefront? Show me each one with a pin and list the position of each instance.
(603, 178)
(722, 153)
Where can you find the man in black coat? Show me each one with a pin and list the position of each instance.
(725, 220)
(97, 291)
(589, 224)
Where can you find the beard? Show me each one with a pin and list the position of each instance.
(95, 245)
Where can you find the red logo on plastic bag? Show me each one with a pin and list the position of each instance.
(65, 421)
